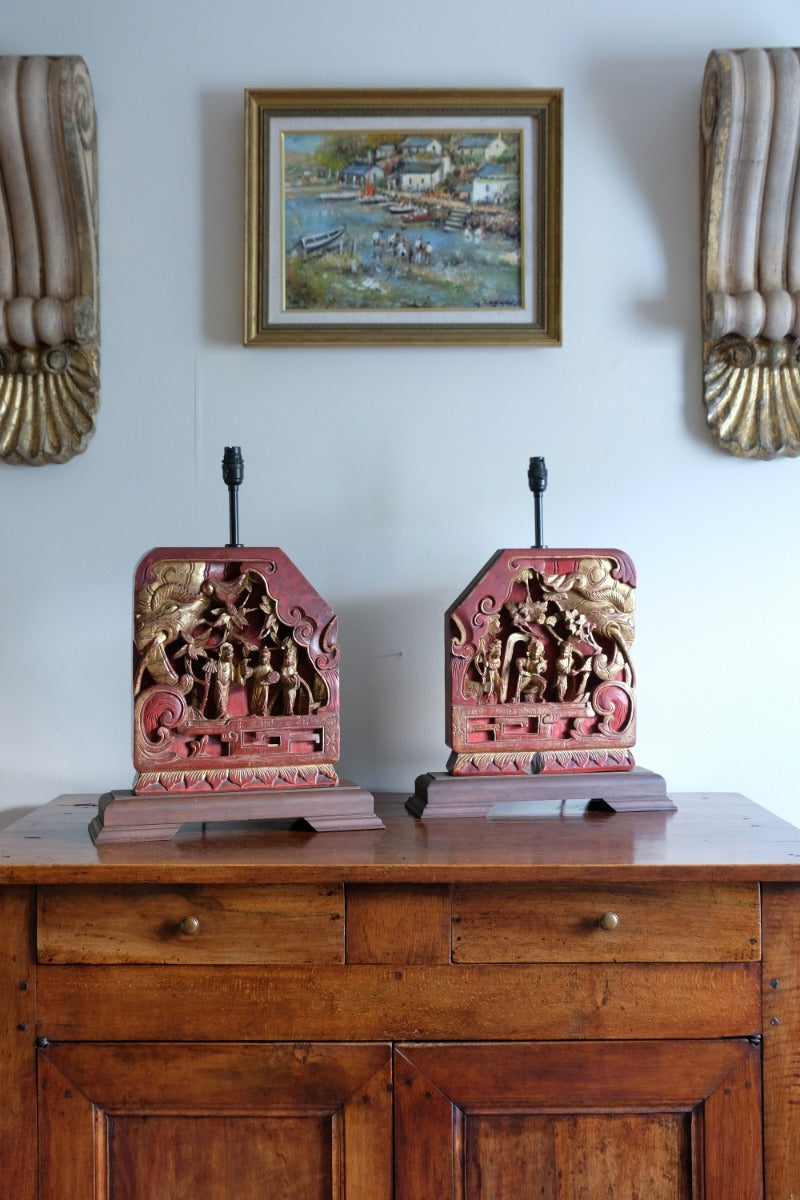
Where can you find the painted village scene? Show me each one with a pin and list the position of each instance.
(374, 221)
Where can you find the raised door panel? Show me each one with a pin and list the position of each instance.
(225, 1122)
(569, 1121)
(586, 1157)
(182, 1158)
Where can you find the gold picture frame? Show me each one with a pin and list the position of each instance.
(403, 217)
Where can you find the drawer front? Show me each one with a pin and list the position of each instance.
(632, 923)
(275, 924)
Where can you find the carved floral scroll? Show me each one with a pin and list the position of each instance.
(49, 342)
(750, 125)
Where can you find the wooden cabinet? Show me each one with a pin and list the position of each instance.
(570, 1007)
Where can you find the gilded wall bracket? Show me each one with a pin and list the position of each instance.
(49, 339)
(750, 129)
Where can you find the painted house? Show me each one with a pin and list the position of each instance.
(482, 147)
(360, 174)
(417, 176)
(416, 145)
(494, 184)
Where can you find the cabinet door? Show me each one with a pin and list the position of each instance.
(579, 1121)
(217, 1121)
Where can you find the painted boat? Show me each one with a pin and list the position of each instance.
(417, 214)
(318, 243)
(340, 194)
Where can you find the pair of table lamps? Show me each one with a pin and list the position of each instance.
(236, 689)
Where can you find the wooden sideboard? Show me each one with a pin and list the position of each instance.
(573, 1006)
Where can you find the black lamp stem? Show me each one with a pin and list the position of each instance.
(233, 474)
(537, 482)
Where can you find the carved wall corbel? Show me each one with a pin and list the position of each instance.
(750, 124)
(49, 341)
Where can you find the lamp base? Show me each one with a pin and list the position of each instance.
(123, 816)
(438, 794)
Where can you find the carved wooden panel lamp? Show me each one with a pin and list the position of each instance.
(49, 351)
(750, 124)
(540, 689)
(235, 693)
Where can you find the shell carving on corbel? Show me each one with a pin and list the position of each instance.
(750, 127)
(49, 339)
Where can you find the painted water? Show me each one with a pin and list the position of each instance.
(380, 262)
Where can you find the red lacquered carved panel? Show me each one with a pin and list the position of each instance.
(235, 673)
(540, 675)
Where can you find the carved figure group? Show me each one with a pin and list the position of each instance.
(557, 645)
(184, 618)
(235, 674)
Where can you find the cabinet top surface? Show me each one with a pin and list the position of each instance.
(711, 836)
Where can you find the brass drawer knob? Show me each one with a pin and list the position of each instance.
(608, 921)
(189, 925)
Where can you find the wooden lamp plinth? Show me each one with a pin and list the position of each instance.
(437, 794)
(125, 817)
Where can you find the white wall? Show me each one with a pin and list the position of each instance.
(391, 475)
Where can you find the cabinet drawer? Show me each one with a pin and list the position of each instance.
(275, 924)
(631, 923)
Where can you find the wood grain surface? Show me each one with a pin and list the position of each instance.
(717, 837)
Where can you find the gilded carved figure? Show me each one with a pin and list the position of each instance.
(531, 666)
(223, 671)
(264, 676)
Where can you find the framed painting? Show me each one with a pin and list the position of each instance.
(402, 217)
